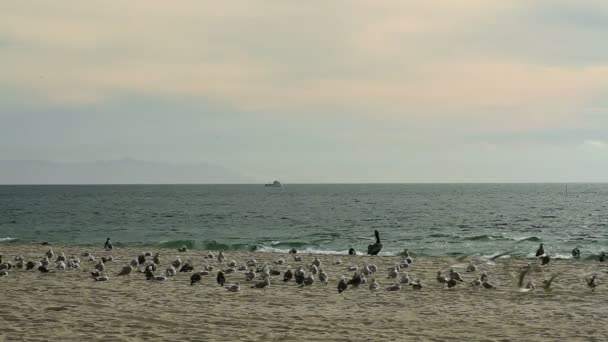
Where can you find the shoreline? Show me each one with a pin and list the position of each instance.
(69, 305)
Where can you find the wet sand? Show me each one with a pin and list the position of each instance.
(70, 306)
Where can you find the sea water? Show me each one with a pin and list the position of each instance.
(427, 219)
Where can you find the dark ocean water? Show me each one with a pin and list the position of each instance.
(428, 219)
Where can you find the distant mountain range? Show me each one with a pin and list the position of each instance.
(125, 171)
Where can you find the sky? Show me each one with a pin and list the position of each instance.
(312, 91)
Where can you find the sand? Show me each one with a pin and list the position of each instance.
(70, 306)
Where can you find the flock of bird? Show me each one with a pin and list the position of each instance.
(259, 275)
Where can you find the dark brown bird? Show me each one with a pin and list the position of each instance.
(221, 279)
(195, 278)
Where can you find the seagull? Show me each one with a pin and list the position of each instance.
(125, 270)
(171, 271)
(309, 280)
(323, 277)
(353, 268)
(234, 288)
(471, 267)
(262, 284)
(342, 285)
(3, 273)
(221, 279)
(337, 261)
(186, 268)
(299, 276)
(441, 278)
(210, 255)
(417, 285)
(195, 278)
(221, 257)
(288, 275)
(30, 265)
(100, 266)
(592, 283)
(177, 262)
(406, 257)
(182, 249)
(275, 272)
(297, 258)
(49, 253)
(405, 279)
(148, 254)
(451, 283)
(477, 282)
(61, 266)
(156, 259)
(134, 263)
(486, 284)
(455, 275)
(393, 272)
(232, 263)
(107, 245)
(395, 287)
(280, 262)
(366, 271)
(252, 262)
(249, 276)
(530, 286)
(374, 285)
(540, 251)
(141, 259)
(373, 268)
(60, 257)
(313, 269)
(102, 278)
(356, 280)
(547, 283)
(317, 262)
(86, 254)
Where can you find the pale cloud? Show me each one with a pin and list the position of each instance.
(408, 60)
(595, 144)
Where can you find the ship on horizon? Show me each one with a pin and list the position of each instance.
(275, 184)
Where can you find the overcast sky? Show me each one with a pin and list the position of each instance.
(312, 91)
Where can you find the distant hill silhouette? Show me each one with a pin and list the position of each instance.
(125, 171)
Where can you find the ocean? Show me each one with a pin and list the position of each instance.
(427, 219)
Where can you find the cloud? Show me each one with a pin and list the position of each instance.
(595, 144)
(470, 63)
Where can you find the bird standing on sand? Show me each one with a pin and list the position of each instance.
(455, 275)
(108, 245)
(471, 267)
(233, 288)
(376, 247)
(373, 285)
(393, 272)
(177, 262)
(221, 257)
(540, 251)
(356, 280)
(405, 279)
(342, 285)
(323, 277)
(125, 270)
(441, 278)
(156, 259)
(141, 259)
(288, 275)
(309, 280)
(395, 287)
(171, 271)
(250, 275)
(221, 279)
(262, 284)
(195, 278)
(182, 249)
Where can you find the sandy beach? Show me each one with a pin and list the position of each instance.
(70, 306)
